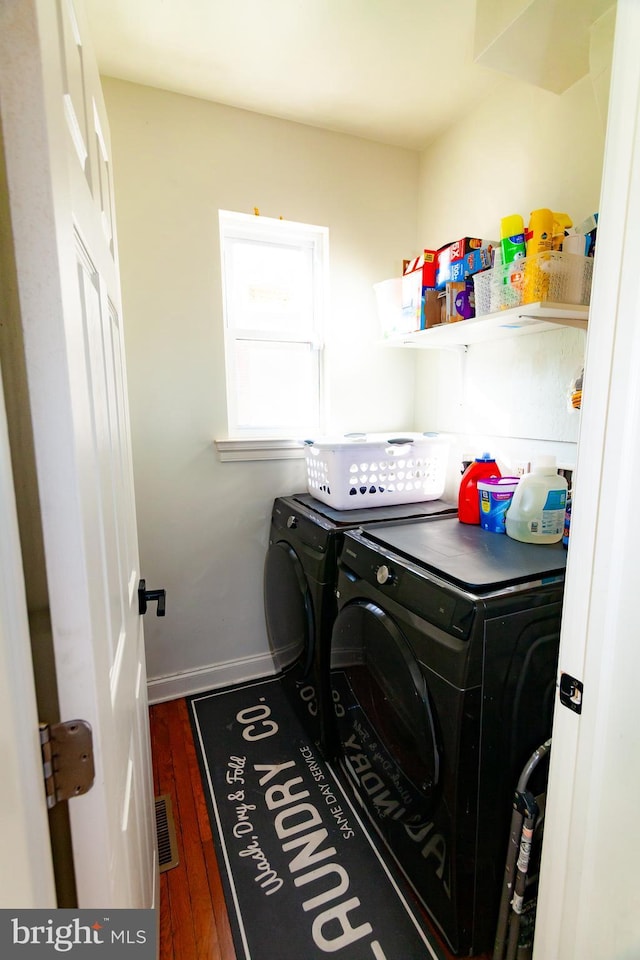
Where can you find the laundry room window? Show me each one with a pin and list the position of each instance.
(274, 280)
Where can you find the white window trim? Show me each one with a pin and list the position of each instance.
(260, 449)
(261, 446)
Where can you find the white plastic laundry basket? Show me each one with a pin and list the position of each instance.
(371, 470)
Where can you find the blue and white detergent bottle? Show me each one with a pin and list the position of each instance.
(536, 513)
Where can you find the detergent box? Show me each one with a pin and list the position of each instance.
(427, 264)
(480, 258)
(459, 300)
(418, 277)
(452, 252)
(433, 308)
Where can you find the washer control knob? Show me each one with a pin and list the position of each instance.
(384, 574)
(292, 522)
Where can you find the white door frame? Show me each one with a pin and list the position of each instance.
(589, 901)
(26, 868)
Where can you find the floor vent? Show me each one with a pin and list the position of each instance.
(166, 833)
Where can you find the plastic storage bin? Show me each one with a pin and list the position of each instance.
(549, 276)
(371, 470)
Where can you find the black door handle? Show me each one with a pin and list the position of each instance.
(144, 596)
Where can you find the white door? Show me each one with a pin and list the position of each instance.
(60, 191)
(589, 904)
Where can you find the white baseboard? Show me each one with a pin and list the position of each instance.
(184, 684)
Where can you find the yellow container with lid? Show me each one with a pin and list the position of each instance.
(539, 239)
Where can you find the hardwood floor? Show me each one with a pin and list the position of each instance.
(194, 924)
(193, 919)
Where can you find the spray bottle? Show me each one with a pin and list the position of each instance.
(562, 223)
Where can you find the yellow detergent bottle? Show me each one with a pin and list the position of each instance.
(539, 237)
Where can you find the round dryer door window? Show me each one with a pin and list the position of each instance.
(386, 725)
(288, 608)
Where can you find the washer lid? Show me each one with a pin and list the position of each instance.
(470, 556)
(384, 514)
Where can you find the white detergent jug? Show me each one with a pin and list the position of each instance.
(536, 513)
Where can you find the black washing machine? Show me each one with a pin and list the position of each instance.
(443, 668)
(299, 595)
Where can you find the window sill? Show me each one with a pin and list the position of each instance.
(259, 449)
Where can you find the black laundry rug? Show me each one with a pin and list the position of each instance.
(303, 878)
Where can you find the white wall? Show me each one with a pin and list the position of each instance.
(537, 149)
(203, 524)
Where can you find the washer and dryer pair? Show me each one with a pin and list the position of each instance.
(300, 574)
(422, 655)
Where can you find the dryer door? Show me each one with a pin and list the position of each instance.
(288, 608)
(387, 728)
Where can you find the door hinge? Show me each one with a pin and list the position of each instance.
(67, 759)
